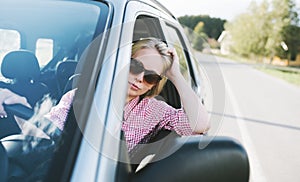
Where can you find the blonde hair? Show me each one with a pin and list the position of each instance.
(162, 49)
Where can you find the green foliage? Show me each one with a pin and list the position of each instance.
(200, 37)
(292, 40)
(200, 41)
(289, 76)
(199, 27)
(213, 27)
(265, 28)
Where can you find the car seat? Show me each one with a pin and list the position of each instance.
(64, 71)
(22, 67)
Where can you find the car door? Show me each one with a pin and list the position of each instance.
(173, 154)
(101, 148)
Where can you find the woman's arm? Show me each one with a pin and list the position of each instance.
(58, 114)
(196, 112)
(8, 97)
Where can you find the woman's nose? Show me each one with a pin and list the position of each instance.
(140, 77)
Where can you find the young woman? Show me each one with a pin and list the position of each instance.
(152, 62)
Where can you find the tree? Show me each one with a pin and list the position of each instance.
(265, 28)
(213, 27)
(199, 27)
(289, 24)
(282, 16)
(200, 39)
(292, 40)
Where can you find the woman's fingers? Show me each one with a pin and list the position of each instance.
(172, 51)
(3, 114)
(4, 94)
(8, 97)
(16, 99)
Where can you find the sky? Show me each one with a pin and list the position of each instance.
(224, 9)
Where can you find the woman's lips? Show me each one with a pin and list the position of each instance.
(134, 87)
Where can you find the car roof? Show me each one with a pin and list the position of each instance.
(153, 3)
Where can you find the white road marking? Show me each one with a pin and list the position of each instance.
(256, 171)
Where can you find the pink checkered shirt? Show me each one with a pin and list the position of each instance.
(58, 114)
(143, 118)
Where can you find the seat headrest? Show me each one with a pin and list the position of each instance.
(20, 65)
(66, 67)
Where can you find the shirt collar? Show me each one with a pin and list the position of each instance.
(129, 106)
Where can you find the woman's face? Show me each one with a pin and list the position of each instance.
(151, 60)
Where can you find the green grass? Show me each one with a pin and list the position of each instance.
(289, 76)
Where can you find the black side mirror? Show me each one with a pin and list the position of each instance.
(224, 159)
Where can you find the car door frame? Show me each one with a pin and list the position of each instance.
(108, 167)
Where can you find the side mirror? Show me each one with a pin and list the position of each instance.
(224, 159)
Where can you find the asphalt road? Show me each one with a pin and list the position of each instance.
(260, 111)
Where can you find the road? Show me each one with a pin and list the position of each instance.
(263, 113)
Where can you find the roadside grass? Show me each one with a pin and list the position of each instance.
(289, 76)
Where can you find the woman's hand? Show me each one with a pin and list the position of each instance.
(191, 103)
(9, 97)
(174, 70)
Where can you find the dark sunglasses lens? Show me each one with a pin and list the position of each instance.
(152, 78)
(136, 67)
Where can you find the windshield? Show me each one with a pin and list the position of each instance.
(41, 43)
(47, 27)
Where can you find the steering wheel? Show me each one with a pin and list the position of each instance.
(29, 156)
(19, 110)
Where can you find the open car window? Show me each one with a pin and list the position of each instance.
(144, 27)
(162, 154)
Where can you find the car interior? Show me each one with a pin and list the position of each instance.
(32, 162)
(39, 63)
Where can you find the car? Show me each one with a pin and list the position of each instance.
(51, 47)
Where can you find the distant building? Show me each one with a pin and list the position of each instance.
(225, 42)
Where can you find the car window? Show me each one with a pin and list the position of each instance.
(44, 45)
(10, 40)
(44, 50)
(147, 26)
(174, 40)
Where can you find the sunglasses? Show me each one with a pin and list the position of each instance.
(137, 67)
